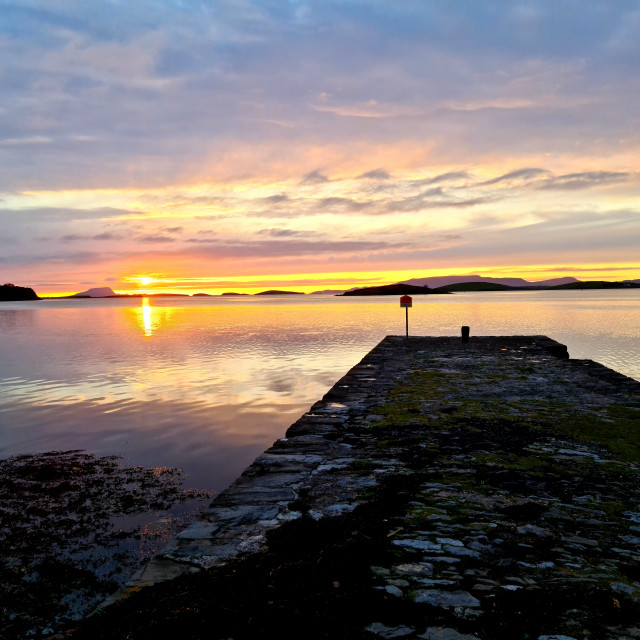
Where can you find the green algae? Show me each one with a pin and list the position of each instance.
(440, 400)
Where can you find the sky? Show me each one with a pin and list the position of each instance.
(243, 145)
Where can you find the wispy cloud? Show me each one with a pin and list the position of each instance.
(525, 175)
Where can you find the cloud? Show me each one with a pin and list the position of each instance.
(155, 238)
(37, 215)
(107, 236)
(276, 199)
(344, 203)
(280, 233)
(450, 176)
(371, 109)
(439, 200)
(314, 177)
(267, 249)
(376, 174)
(526, 175)
(26, 141)
(544, 179)
(585, 180)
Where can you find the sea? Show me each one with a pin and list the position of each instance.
(208, 383)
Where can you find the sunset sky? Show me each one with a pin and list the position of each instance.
(245, 145)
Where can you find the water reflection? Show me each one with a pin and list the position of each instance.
(146, 317)
(221, 380)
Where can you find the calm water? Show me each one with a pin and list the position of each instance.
(208, 383)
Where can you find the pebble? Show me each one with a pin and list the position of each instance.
(444, 633)
(532, 529)
(446, 599)
(384, 631)
(415, 569)
(422, 545)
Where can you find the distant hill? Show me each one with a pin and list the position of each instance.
(12, 292)
(328, 292)
(443, 281)
(275, 292)
(97, 292)
(473, 286)
(389, 290)
(232, 293)
(598, 284)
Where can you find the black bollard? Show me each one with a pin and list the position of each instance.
(465, 334)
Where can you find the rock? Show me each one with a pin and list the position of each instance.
(417, 569)
(384, 631)
(583, 541)
(444, 633)
(532, 529)
(398, 583)
(421, 545)
(621, 587)
(446, 599)
(450, 541)
(198, 530)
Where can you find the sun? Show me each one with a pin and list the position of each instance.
(145, 281)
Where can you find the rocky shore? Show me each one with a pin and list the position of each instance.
(440, 490)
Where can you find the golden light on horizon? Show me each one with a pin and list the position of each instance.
(146, 281)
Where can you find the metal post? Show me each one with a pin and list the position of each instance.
(465, 334)
(406, 309)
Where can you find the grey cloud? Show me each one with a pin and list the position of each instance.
(75, 257)
(314, 177)
(280, 233)
(520, 174)
(450, 176)
(172, 229)
(73, 237)
(572, 181)
(436, 192)
(292, 248)
(277, 199)
(345, 203)
(419, 202)
(107, 236)
(376, 174)
(156, 238)
(592, 235)
(52, 214)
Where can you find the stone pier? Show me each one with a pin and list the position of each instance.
(442, 490)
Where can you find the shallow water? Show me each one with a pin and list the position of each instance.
(208, 383)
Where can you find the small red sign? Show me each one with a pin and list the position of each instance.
(405, 301)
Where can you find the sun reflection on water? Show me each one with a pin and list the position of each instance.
(145, 317)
